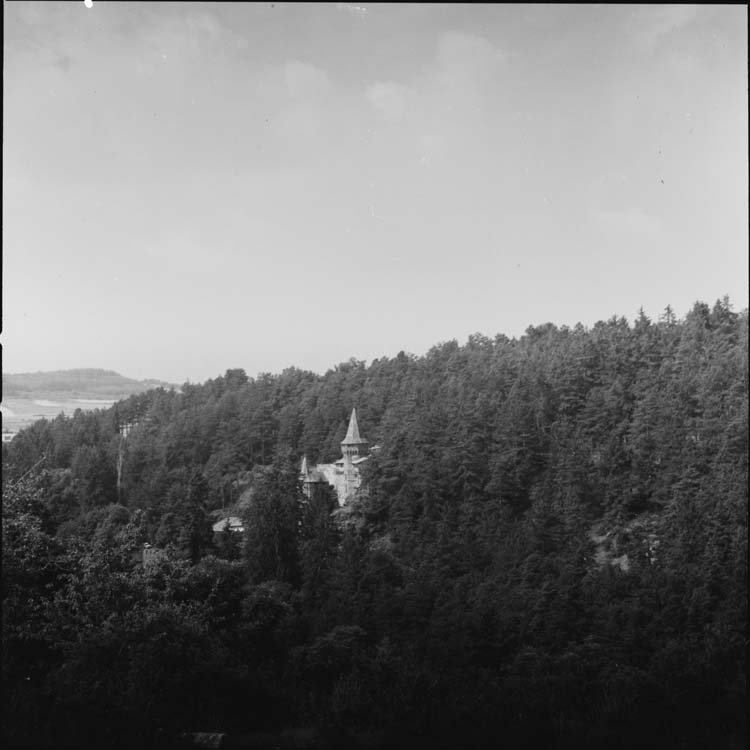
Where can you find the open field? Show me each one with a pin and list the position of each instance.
(21, 412)
(43, 395)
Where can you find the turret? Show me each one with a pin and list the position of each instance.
(353, 449)
(353, 445)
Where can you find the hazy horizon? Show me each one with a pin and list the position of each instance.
(201, 186)
(368, 360)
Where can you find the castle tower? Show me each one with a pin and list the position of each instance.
(353, 449)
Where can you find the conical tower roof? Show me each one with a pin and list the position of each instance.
(352, 434)
(303, 469)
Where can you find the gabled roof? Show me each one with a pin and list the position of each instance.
(310, 475)
(233, 523)
(315, 476)
(352, 434)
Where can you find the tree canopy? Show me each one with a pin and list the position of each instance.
(550, 551)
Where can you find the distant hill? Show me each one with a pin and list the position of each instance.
(75, 384)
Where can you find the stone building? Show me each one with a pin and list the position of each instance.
(343, 475)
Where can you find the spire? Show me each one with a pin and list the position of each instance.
(352, 434)
(303, 469)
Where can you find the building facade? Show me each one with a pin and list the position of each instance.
(343, 475)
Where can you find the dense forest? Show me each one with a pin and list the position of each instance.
(550, 551)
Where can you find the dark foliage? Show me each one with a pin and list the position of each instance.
(551, 552)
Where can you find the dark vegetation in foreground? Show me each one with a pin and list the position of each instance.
(552, 552)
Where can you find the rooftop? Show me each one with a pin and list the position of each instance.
(352, 434)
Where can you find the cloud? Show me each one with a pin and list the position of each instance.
(446, 97)
(204, 23)
(185, 37)
(299, 106)
(390, 99)
(304, 81)
(66, 35)
(652, 23)
(32, 14)
(464, 60)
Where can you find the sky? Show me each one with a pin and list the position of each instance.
(192, 187)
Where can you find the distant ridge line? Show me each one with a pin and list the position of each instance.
(78, 382)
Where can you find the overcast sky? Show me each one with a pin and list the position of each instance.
(190, 187)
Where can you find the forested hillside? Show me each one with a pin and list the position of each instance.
(551, 551)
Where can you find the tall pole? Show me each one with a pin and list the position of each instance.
(119, 468)
(25, 474)
(124, 429)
